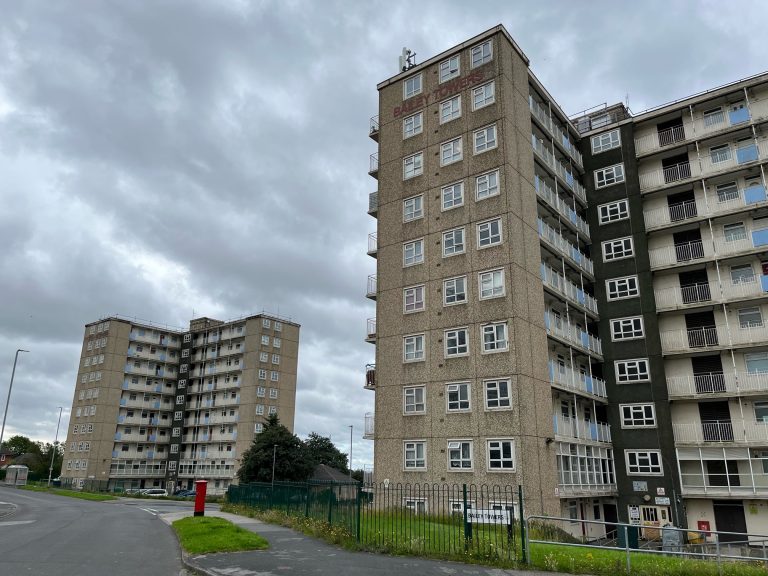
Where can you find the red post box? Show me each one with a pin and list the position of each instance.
(200, 487)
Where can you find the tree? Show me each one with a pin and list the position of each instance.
(18, 445)
(322, 451)
(291, 461)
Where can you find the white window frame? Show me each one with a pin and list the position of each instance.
(609, 176)
(447, 282)
(457, 388)
(485, 139)
(500, 338)
(418, 344)
(450, 68)
(502, 401)
(449, 192)
(484, 95)
(413, 208)
(481, 53)
(749, 310)
(453, 108)
(453, 347)
(643, 469)
(632, 325)
(720, 153)
(613, 211)
(411, 403)
(451, 151)
(461, 458)
(636, 415)
(413, 165)
(413, 125)
(734, 232)
(412, 86)
(497, 290)
(493, 239)
(487, 185)
(452, 246)
(618, 249)
(606, 141)
(632, 371)
(417, 463)
(489, 444)
(622, 288)
(416, 250)
(416, 294)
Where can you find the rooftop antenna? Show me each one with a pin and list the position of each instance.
(407, 59)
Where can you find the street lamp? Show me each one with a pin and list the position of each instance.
(350, 450)
(8, 401)
(55, 442)
(274, 457)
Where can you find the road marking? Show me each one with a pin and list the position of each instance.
(16, 522)
(150, 510)
(237, 571)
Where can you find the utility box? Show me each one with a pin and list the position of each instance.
(16, 475)
(631, 539)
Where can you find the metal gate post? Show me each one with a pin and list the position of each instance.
(626, 546)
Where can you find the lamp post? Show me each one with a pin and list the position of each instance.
(350, 450)
(55, 443)
(8, 401)
(274, 457)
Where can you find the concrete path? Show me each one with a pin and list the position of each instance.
(295, 554)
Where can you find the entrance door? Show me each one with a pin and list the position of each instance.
(611, 514)
(729, 517)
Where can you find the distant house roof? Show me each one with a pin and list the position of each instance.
(326, 473)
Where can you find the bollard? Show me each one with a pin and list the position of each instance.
(200, 488)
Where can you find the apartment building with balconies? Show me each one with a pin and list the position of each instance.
(162, 407)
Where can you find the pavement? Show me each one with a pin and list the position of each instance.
(295, 554)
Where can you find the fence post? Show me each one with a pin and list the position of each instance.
(308, 496)
(358, 503)
(626, 547)
(523, 535)
(467, 525)
(717, 551)
(330, 507)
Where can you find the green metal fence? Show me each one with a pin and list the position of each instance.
(448, 520)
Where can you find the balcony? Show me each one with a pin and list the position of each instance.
(370, 377)
(555, 202)
(373, 203)
(733, 156)
(713, 337)
(745, 474)
(721, 432)
(372, 245)
(374, 129)
(675, 298)
(665, 176)
(371, 331)
(540, 114)
(563, 247)
(713, 383)
(560, 328)
(575, 429)
(567, 378)
(373, 167)
(122, 468)
(681, 253)
(659, 140)
(371, 290)
(561, 285)
(369, 426)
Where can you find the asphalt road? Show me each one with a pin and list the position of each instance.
(46, 535)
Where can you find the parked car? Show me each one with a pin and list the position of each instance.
(155, 492)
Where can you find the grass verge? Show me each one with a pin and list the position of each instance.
(206, 535)
(70, 493)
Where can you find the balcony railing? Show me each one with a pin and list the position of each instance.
(373, 203)
(374, 128)
(554, 239)
(370, 377)
(373, 168)
(727, 484)
(680, 297)
(371, 289)
(370, 330)
(660, 139)
(721, 432)
(561, 328)
(662, 177)
(369, 426)
(540, 113)
(682, 252)
(567, 289)
(695, 339)
(544, 191)
(734, 383)
(573, 428)
(372, 244)
(567, 377)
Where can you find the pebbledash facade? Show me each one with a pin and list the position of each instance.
(573, 305)
(155, 407)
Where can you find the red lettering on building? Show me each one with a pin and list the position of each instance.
(448, 89)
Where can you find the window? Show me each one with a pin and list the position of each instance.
(413, 252)
(413, 400)
(411, 86)
(632, 370)
(259, 409)
(450, 109)
(450, 152)
(180, 399)
(413, 348)
(491, 284)
(278, 326)
(449, 68)
(495, 337)
(453, 195)
(618, 249)
(264, 357)
(613, 211)
(608, 176)
(413, 165)
(627, 328)
(485, 139)
(414, 457)
(501, 455)
(453, 242)
(457, 397)
(262, 374)
(459, 455)
(274, 376)
(481, 53)
(734, 232)
(606, 141)
(412, 125)
(638, 416)
(272, 410)
(265, 340)
(742, 274)
(757, 363)
(272, 395)
(646, 462)
(750, 317)
(489, 233)
(761, 411)
(413, 299)
(620, 288)
(455, 290)
(719, 154)
(713, 116)
(487, 185)
(727, 192)
(484, 95)
(265, 323)
(497, 395)
(413, 208)
(456, 342)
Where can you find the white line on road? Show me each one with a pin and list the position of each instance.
(16, 522)
(151, 511)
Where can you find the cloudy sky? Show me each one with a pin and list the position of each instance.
(159, 158)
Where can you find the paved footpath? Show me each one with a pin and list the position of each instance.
(292, 553)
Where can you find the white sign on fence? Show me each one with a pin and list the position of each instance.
(488, 516)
